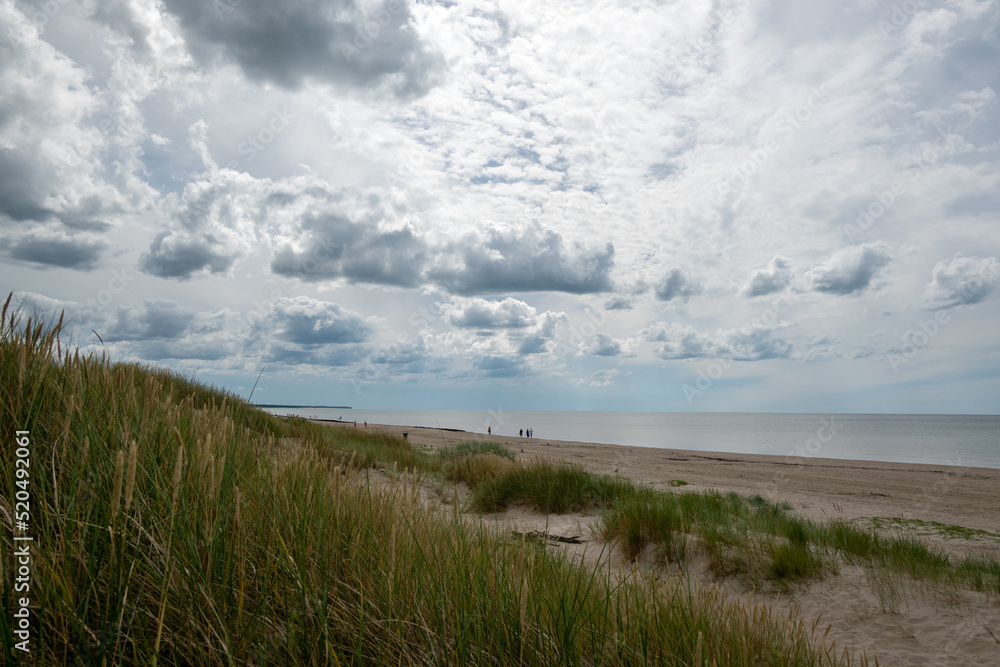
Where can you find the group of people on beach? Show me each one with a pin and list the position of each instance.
(520, 434)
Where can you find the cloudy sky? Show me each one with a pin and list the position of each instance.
(745, 205)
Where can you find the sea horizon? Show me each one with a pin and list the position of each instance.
(971, 440)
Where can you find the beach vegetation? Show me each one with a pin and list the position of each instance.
(174, 523)
(549, 486)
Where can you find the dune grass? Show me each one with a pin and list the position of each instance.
(176, 524)
(548, 486)
(749, 537)
(760, 540)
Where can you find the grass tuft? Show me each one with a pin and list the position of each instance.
(547, 486)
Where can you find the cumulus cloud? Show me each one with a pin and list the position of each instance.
(676, 285)
(55, 249)
(335, 41)
(773, 278)
(52, 193)
(337, 247)
(158, 318)
(747, 344)
(308, 321)
(528, 258)
(851, 270)
(482, 314)
(182, 254)
(607, 346)
(320, 232)
(323, 233)
(209, 226)
(962, 281)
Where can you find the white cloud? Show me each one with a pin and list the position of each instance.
(774, 278)
(851, 270)
(752, 343)
(523, 163)
(482, 314)
(675, 284)
(962, 281)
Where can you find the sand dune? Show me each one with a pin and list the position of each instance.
(901, 621)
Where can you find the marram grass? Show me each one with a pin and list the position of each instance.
(174, 524)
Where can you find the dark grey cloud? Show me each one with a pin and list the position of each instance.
(336, 41)
(482, 314)
(773, 278)
(22, 192)
(57, 251)
(334, 247)
(182, 254)
(962, 281)
(747, 344)
(851, 270)
(526, 258)
(676, 285)
(156, 319)
(306, 321)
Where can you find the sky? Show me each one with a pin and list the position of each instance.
(742, 205)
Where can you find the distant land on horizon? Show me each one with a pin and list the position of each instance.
(332, 407)
(678, 412)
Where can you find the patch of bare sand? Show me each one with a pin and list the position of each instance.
(901, 621)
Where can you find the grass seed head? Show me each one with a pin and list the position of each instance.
(175, 484)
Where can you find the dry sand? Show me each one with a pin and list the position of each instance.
(901, 622)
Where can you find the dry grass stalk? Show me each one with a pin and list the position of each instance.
(175, 484)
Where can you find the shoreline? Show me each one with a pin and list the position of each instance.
(818, 488)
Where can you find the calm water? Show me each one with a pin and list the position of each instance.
(968, 440)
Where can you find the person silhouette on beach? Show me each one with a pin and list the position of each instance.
(489, 430)
(520, 433)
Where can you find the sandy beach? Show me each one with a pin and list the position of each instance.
(818, 488)
(954, 508)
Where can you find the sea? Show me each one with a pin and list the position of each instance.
(956, 440)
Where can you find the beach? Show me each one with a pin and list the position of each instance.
(955, 509)
(818, 488)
